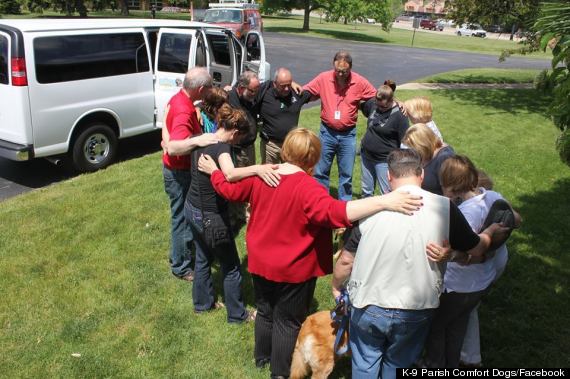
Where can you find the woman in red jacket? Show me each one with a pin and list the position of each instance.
(289, 240)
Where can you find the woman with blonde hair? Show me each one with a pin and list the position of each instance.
(289, 240)
(433, 152)
(419, 111)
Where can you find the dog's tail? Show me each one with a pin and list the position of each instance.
(299, 368)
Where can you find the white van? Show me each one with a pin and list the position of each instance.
(75, 86)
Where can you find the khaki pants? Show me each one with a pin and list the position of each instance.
(239, 212)
(270, 151)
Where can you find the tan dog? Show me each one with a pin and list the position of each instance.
(314, 350)
(315, 345)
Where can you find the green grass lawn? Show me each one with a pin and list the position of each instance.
(84, 267)
(483, 75)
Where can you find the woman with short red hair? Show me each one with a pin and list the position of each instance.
(289, 240)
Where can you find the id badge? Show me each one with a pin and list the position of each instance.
(337, 115)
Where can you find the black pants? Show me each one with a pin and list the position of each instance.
(281, 309)
(445, 338)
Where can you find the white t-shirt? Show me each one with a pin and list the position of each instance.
(476, 277)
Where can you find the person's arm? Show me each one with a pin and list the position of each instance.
(164, 132)
(343, 266)
(463, 238)
(324, 210)
(368, 90)
(314, 87)
(185, 146)
(396, 201)
(238, 191)
(267, 173)
(342, 271)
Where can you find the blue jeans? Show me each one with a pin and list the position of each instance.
(371, 172)
(227, 254)
(176, 185)
(383, 340)
(343, 145)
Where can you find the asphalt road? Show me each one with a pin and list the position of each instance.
(305, 57)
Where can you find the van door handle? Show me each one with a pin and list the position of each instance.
(217, 76)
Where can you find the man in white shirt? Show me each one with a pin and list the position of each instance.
(394, 287)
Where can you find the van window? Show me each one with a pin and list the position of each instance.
(67, 58)
(173, 53)
(221, 49)
(222, 15)
(4, 74)
(201, 52)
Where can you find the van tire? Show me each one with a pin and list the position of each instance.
(94, 148)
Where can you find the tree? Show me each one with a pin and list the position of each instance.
(349, 10)
(124, 7)
(10, 7)
(517, 13)
(270, 6)
(553, 26)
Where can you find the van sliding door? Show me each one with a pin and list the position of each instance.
(176, 51)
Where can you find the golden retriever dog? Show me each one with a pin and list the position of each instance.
(314, 350)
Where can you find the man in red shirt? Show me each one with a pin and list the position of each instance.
(341, 92)
(182, 123)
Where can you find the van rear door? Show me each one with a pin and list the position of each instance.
(254, 57)
(176, 52)
(15, 119)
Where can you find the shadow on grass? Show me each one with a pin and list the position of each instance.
(519, 322)
(352, 35)
(523, 101)
(498, 79)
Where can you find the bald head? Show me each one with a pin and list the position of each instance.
(282, 82)
(197, 83)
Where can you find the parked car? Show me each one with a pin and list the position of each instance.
(474, 30)
(494, 29)
(430, 24)
(240, 19)
(73, 88)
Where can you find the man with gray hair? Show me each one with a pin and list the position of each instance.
(180, 124)
(279, 108)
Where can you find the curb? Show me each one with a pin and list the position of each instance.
(434, 86)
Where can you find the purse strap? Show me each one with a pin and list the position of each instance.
(195, 173)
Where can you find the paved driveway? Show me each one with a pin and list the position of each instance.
(306, 57)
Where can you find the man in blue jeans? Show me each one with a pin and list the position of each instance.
(181, 123)
(341, 92)
(394, 286)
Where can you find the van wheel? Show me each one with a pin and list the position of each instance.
(94, 148)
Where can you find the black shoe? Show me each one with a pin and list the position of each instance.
(262, 363)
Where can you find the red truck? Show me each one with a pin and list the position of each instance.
(430, 24)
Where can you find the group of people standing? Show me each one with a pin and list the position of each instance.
(393, 259)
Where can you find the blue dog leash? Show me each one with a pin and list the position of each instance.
(340, 316)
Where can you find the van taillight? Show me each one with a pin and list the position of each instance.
(19, 77)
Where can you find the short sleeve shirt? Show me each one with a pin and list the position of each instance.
(279, 114)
